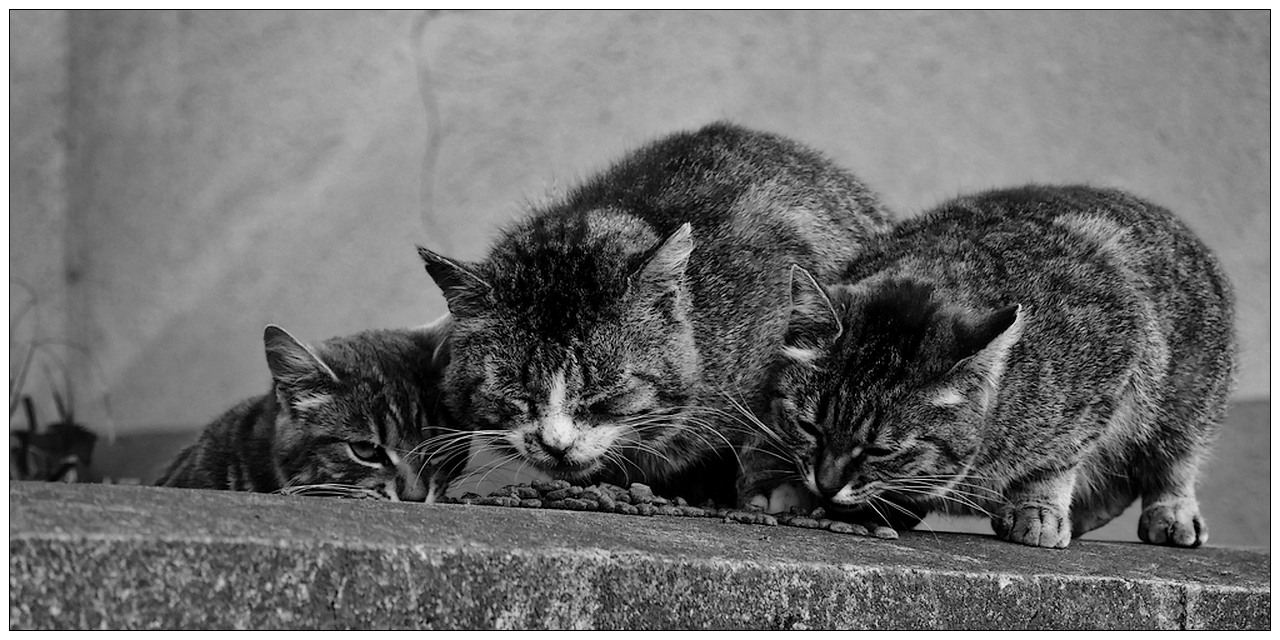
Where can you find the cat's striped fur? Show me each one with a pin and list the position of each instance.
(608, 335)
(1043, 356)
(359, 416)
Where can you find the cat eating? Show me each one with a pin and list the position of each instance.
(1042, 356)
(357, 417)
(610, 335)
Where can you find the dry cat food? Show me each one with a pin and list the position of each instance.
(639, 499)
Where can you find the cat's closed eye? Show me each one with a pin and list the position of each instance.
(611, 407)
(876, 452)
(368, 452)
(809, 428)
(506, 406)
(619, 405)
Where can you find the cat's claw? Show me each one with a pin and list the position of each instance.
(1175, 523)
(1035, 525)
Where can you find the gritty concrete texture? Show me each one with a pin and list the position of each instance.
(92, 556)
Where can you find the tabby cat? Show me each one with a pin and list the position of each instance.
(611, 334)
(358, 417)
(1041, 355)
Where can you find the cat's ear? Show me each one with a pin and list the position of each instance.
(294, 365)
(812, 321)
(984, 342)
(433, 338)
(660, 281)
(461, 286)
(664, 270)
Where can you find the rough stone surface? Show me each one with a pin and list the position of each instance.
(84, 556)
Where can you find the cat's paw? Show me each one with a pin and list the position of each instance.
(782, 498)
(1176, 523)
(1035, 525)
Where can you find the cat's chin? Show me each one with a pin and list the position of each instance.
(569, 472)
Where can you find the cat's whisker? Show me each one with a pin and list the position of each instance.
(930, 491)
(637, 445)
(617, 458)
(780, 474)
(942, 484)
(737, 424)
(644, 474)
(684, 428)
(489, 467)
(764, 427)
(951, 484)
(876, 509)
(458, 435)
(329, 490)
(904, 511)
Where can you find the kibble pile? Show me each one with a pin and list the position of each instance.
(639, 499)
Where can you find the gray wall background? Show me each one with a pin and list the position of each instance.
(180, 179)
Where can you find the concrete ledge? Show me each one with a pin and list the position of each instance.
(95, 556)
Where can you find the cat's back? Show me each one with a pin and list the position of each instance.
(734, 185)
(215, 459)
(1108, 231)
(711, 169)
(1115, 287)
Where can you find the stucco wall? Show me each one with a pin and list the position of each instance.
(38, 215)
(230, 169)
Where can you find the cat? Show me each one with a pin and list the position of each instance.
(358, 417)
(609, 335)
(1040, 355)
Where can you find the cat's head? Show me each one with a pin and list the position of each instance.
(360, 413)
(572, 341)
(881, 386)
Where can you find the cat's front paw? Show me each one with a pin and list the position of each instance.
(782, 498)
(1034, 525)
(1177, 523)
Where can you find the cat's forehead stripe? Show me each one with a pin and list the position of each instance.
(556, 393)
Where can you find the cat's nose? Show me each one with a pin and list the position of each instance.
(555, 449)
(830, 478)
(411, 488)
(557, 436)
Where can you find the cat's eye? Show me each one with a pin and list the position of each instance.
(876, 452)
(618, 406)
(809, 428)
(601, 408)
(609, 407)
(367, 451)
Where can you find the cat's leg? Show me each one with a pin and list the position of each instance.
(766, 480)
(1169, 464)
(1104, 489)
(1037, 510)
(1095, 511)
(783, 498)
(1170, 511)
